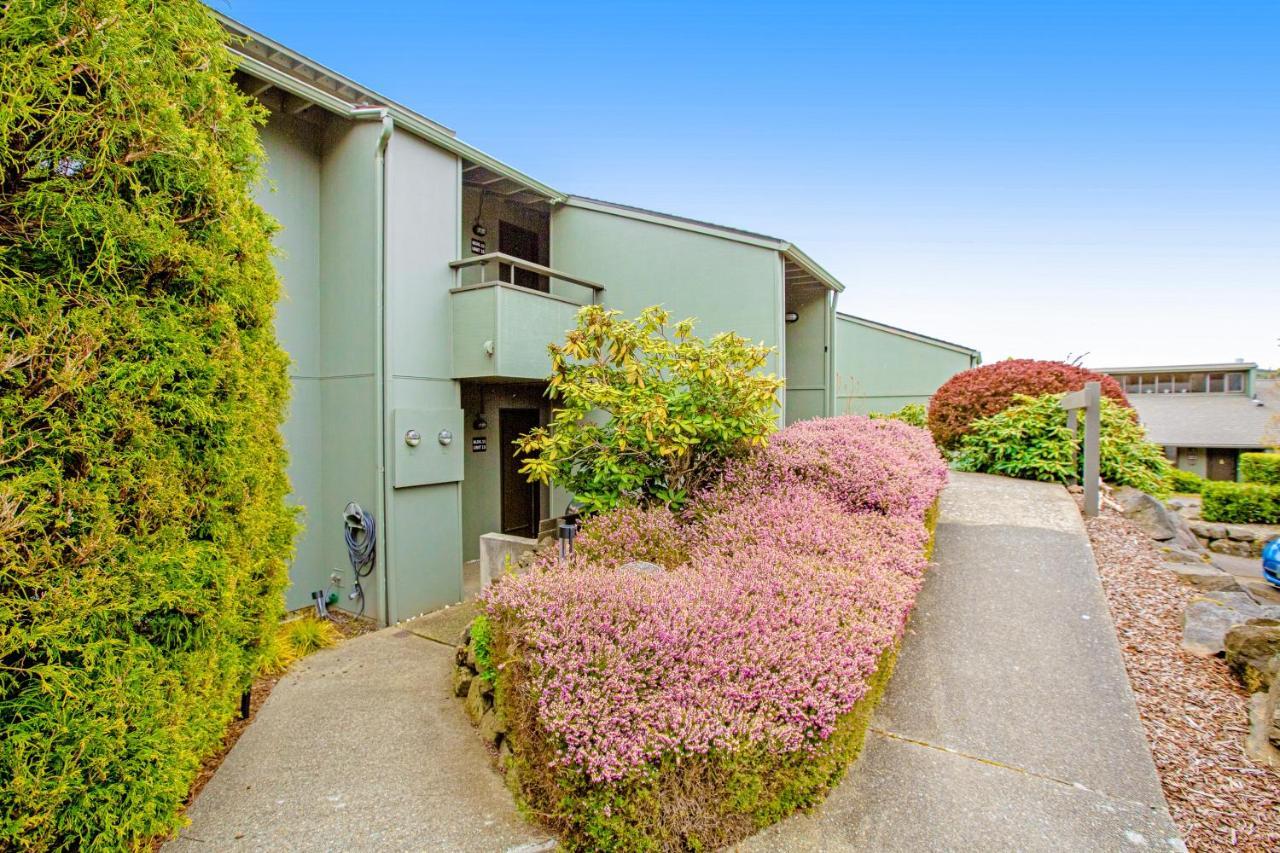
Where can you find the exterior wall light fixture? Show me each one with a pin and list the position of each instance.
(792, 316)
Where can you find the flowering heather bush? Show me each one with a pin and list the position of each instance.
(989, 389)
(667, 710)
(865, 465)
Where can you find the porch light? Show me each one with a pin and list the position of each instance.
(792, 316)
(479, 424)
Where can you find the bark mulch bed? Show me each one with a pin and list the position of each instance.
(1193, 711)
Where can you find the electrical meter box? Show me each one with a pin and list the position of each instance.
(427, 446)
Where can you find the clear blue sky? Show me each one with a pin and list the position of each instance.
(1029, 178)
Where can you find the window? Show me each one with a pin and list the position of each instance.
(1217, 383)
(1181, 383)
(1197, 382)
(1235, 382)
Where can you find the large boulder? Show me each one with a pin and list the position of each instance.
(1209, 617)
(1231, 547)
(1153, 517)
(1264, 718)
(1208, 530)
(1253, 652)
(1202, 575)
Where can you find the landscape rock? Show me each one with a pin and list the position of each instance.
(1208, 530)
(1183, 555)
(1208, 617)
(461, 681)
(1203, 575)
(1253, 653)
(504, 754)
(486, 686)
(1152, 516)
(475, 704)
(460, 655)
(1262, 592)
(1241, 534)
(1231, 546)
(1260, 743)
(489, 728)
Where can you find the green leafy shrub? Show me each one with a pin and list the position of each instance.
(983, 391)
(675, 408)
(482, 642)
(912, 413)
(1030, 440)
(143, 528)
(1260, 468)
(1185, 482)
(1240, 503)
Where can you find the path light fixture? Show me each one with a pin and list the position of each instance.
(569, 530)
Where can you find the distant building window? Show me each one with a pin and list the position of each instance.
(1217, 383)
(1235, 382)
(1183, 383)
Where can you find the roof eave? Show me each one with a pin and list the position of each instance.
(421, 126)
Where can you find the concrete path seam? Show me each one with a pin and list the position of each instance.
(1010, 767)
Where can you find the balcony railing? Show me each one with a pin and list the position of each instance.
(496, 267)
(501, 329)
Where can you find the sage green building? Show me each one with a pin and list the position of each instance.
(424, 280)
(881, 368)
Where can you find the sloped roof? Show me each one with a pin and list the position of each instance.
(1212, 420)
(906, 333)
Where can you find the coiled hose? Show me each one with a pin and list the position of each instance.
(361, 534)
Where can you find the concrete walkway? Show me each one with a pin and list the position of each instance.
(361, 747)
(1009, 724)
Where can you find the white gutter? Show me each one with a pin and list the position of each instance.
(379, 344)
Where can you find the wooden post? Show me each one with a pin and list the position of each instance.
(1092, 435)
(1089, 399)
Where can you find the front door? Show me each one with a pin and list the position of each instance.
(519, 496)
(523, 244)
(1221, 464)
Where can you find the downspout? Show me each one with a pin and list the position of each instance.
(379, 342)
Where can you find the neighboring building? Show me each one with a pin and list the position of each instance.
(881, 368)
(1205, 415)
(424, 280)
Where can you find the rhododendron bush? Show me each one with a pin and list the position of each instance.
(990, 389)
(688, 705)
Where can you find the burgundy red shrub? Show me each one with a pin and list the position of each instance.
(783, 589)
(989, 389)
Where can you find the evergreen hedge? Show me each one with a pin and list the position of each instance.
(1240, 503)
(1260, 468)
(143, 528)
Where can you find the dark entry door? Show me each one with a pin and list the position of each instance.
(523, 244)
(519, 496)
(1222, 464)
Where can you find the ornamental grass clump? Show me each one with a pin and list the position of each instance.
(686, 707)
(144, 532)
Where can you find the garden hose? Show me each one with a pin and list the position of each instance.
(361, 534)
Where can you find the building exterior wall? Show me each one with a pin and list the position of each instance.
(1193, 460)
(881, 371)
(724, 284)
(424, 516)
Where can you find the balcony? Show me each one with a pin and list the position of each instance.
(501, 329)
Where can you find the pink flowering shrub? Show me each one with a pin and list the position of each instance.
(786, 589)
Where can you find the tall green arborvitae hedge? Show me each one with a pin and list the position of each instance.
(143, 528)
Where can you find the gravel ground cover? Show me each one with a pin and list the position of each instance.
(1193, 711)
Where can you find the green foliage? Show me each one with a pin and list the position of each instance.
(1240, 503)
(1030, 440)
(143, 528)
(309, 634)
(912, 413)
(646, 411)
(1261, 468)
(1185, 482)
(482, 642)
